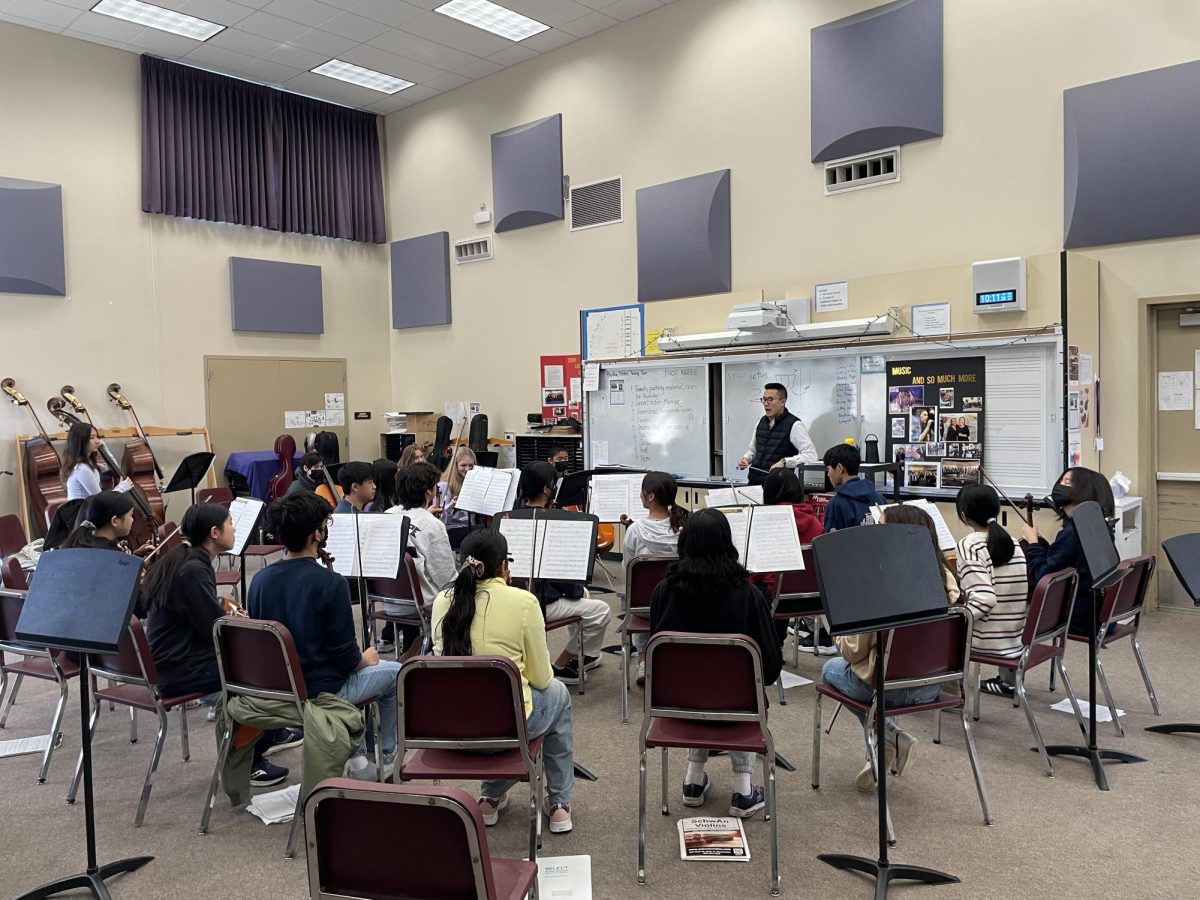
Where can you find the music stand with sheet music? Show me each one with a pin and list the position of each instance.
(81, 601)
(1103, 562)
(190, 473)
(1183, 553)
(856, 574)
(244, 506)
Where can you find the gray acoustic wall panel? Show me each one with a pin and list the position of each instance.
(1130, 151)
(683, 237)
(527, 174)
(275, 296)
(31, 238)
(421, 281)
(877, 79)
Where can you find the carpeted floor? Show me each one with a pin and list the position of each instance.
(1052, 838)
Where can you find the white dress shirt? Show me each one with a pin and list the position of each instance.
(800, 440)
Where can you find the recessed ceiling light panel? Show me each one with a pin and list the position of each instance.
(368, 78)
(492, 17)
(157, 17)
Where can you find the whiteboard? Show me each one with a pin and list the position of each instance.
(822, 391)
(651, 416)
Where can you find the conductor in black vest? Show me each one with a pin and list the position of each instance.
(780, 438)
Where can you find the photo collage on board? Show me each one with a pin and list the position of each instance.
(935, 421)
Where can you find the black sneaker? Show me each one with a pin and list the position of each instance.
(266, 774)
(696, 794)
(824, 648)
(591, 662)
(285, 739)
(568, 674)
(744, 806)
(997, 688)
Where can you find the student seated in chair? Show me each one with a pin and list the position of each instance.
(853, 671)
(655, 535)
(783, 486)
(855, 496)
(709, 592)
(357, 481)
(559, 599)
(310, 474)
(313, 602)
(483, 615)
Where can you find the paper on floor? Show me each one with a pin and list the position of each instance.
(275, 807)
(791, 680)
(1102, 712)
(25, 745)
(565, 877)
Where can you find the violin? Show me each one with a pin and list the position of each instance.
(43, 477)
(1030, 504)
(140, 463)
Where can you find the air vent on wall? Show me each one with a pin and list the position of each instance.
(865, 170)
(597, 203)
(473, 249)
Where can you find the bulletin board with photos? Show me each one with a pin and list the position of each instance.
(935, 414)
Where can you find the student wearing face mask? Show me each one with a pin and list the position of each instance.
(1074, 486)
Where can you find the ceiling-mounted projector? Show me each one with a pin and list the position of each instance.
(756, 317)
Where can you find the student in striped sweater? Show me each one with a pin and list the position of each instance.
(993, 581)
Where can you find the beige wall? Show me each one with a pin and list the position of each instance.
(148, 295)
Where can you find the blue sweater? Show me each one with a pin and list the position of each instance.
(851, 504)
(314, 603)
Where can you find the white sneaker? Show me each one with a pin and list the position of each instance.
(560, 819)
(640, 675)
(865, 782)
(906, 746)
(489, 808)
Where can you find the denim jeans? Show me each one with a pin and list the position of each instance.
(743, 763)
(551, 716)
(376, 681)
(837, 674)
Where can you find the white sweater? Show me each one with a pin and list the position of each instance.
(997, 595)
(648, 537)
(435, 559)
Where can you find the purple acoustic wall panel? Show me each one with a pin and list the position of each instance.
(877, 79)
(683, 237)
(527, 174)
(421, 281)
(275, 296)
(31, 238)
(1130, 147)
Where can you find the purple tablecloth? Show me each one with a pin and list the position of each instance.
(258, 467)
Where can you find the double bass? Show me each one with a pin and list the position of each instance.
(140, 463)
(42, 467)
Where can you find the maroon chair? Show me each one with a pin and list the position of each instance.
(403, 591)
(797, 596)
(13, 576)
(34, 662)
(440, 830)
(257, 658)
(133, 682)
(564, 622)
(453, 707)
(12, 535)
(285, 449)
(726, 710)
(1046, 621)
(221, 495)
(641, 578)
(915, 656)
(1120, 618)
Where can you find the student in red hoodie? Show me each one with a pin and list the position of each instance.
(782, 486)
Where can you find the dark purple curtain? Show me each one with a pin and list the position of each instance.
(225, 150)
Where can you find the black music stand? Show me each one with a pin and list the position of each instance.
(1183, 553)
(190, 473)
(81, 601)
(1103, 562)
(856, 573)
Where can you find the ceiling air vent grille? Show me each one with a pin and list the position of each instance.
(598, 203)
(866, 170)
(473, 249)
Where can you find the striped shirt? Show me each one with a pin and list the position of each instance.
(997, 595)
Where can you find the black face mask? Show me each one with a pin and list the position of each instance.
(561, 467)
(1059, 496)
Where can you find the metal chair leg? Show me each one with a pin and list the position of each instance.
(183, 732)
(155, 756)
(665, 808)
(782, 695)
(132, 725)
(1137, 654)
(92, 721)
(816, 751)
(10, 698)
(769, 766)
(1023, 701)
(625, 654)
(535, 812)
(795, 623)
(210, 798)
(582, 663)
(641, 874)
(975, 770)
(1062, 673)
(1108, 698)
(977, 681)
(290, 851)
(938, 736)
(55, 726)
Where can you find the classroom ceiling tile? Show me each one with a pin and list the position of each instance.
(268, 25)
(391, 104)
(410, 46)
(162, 43)
(266, 72)
(307, 12)
(448, 82)
(94, 38)
(243, 42)
(354, 27)
(389, 12)
(628, 9)
(548, 12)
(42, 12)
(547, 40)
(453, 33)
(589, 24)
(391, 64)
(6, 16)
(510, 56)
(221, 11)
(297, 57)
(229, 61)
(106, 27)
(479, 68)
(323, 42)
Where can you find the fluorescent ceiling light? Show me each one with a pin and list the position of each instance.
(491, 17)
(156, 17)
(368, 78)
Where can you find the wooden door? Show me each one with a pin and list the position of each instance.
(1177, 454)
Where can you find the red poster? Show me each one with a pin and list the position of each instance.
(562, 388)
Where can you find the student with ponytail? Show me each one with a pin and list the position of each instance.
(181, 592)
(481, 614)
(104, 522)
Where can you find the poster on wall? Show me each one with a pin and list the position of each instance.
(562, 395)
(936, 413)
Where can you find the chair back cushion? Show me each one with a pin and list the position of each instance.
(929, 649)
(125, 661)
(12, 535)
(803, 581)
(1050, 606)
(1126, 597)
(731, 667)
(13, 576)
(407, 586)
(258, 656)
(645, 573)
(461, 698)
(10, 611)
(355, 831)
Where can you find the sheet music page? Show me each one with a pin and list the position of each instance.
(748, 493)
(380, 545)
(519, 533)
(244, 511)
(342, 545)
(564, 549)
(739, 520)
(510, 496)
(473, 495)
(504, 483)
(945, 538)
(719, 497)
(610, 498)
(774, 544)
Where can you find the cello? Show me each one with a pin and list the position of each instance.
(140, 463)
(42, 467)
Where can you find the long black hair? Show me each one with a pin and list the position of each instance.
(97, 511)
(663, 488)
(535, 478)
(76, 450)
(198, 523)
(979, 504)
(385, 483)
(484, 554)
(708, 564)
(782, 486)
(1088, 484)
